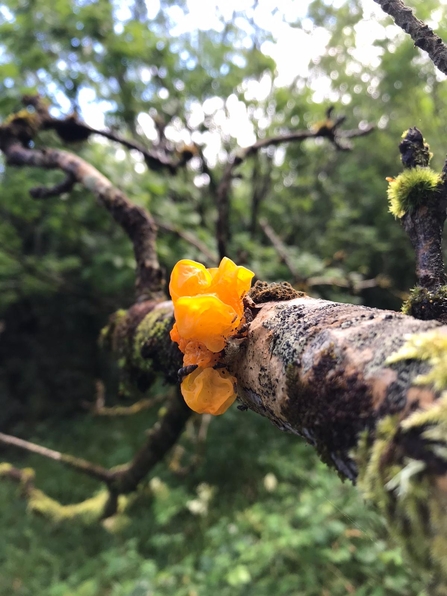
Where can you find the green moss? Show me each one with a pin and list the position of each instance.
(87, 512)
(412, 188)
(152, 331)
(5, 468)
(426, 305)
(400, 489)
(409, 490)
(25, 118)
(432, 347)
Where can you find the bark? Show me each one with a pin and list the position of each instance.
(333, 374)
(423, 37)
(318, 369)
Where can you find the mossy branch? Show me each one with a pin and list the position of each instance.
(89, 511)
(418, 197)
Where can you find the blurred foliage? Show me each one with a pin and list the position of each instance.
(276, 523)
(272, 519)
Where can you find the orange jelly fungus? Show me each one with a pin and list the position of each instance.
(209, 390)
(208, 309)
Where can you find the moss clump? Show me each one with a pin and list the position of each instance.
(432, 347)
(427, 305)
(152, 345)
(152, 332)
(263, 291)
(87, 512)
(24, 125)
(405, 489)
(411, 189)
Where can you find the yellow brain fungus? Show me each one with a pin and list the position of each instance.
(208, 309)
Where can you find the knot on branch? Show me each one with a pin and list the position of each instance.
(415, 151)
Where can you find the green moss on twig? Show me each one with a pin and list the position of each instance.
(427, 305)
(411, 189)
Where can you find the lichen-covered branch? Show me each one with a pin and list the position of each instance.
(366, 388)
(423, 37)
(372, 404)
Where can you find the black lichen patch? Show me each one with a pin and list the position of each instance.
(273, 292)
(324, 401)
(327, 401)
(427, 305)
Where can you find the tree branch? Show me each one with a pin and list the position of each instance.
(282, 251)
(69, 461)
(42, 192)
(210, 256)
(72, 130)
(136, 221)
(160, 439)
(327, 129)
(420, 33)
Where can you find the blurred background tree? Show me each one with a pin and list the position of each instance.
(260, 514)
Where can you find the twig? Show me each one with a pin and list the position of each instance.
(190, 239)
(69, 461)
(160, 439)
(423, 37)
(261, 186)
(42, 192)
(424, 223)
(282, 251)
(327, 129)
(71, 129)
(136, 408)
(199, 440)
(356, 285)
(121, 479)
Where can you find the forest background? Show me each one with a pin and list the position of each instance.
(250, 510)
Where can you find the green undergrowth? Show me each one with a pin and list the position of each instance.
(260, 516)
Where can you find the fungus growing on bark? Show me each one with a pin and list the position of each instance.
(208, 309)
